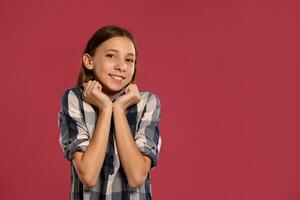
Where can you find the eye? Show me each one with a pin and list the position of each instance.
(130, 60)
(109, 55)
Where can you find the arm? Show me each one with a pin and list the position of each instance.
(88, 164)
(87, 154)
(135, 164)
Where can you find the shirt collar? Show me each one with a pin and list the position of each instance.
(115, 96)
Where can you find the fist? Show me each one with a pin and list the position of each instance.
(92, 94)
(131, 97)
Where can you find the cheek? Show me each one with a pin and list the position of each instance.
(102, 68)
(130, 75)
(100, 73)
(131, 71)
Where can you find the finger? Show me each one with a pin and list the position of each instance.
(84, 90)
(87, 91)
(98, 85)
(134, 86)
(127, 89)
(90, 86)
(135, 89)
(93, 85)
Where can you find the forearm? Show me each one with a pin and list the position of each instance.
(134, 163)
(92, 160)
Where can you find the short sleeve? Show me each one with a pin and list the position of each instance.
(73, 130)
(148, 137)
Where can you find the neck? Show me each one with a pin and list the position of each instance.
(113, 95)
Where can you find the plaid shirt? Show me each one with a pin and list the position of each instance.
(77, 120)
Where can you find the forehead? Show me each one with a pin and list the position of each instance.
(121, 44)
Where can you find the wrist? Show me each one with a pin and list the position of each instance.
(106, 109)
(105, 105)
(118, 107)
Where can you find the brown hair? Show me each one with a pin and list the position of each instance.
(100, 36)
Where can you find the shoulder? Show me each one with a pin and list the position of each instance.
(71, 97)
(149, 96)
(149, 99)
(72, 92)
(149, 107)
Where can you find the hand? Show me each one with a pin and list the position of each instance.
(131, 96)
(93, 94)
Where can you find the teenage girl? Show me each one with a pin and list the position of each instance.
(108, 128)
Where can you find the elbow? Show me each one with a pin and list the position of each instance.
(87, 174)
(89, 181)
(138, 176)
(91, 184)
(135, 182)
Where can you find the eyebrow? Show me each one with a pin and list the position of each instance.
(115, 50)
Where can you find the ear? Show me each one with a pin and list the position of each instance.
(87, 61)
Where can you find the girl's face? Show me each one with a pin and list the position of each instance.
(112, 64)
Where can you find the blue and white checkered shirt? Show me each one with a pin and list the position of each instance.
(77, 120)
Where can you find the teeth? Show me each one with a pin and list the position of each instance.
(117, 77)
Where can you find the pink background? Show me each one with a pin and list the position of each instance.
(227, 74)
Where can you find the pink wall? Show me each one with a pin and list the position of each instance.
(227, 74)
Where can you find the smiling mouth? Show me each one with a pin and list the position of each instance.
(117, 77)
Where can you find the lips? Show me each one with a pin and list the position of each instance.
(117, 77)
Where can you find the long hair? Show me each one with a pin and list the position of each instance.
(100, 36)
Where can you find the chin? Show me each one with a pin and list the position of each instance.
(113, 89)
(113, 86)
(118, 87)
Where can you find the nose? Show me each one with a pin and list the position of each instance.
(121, 65)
